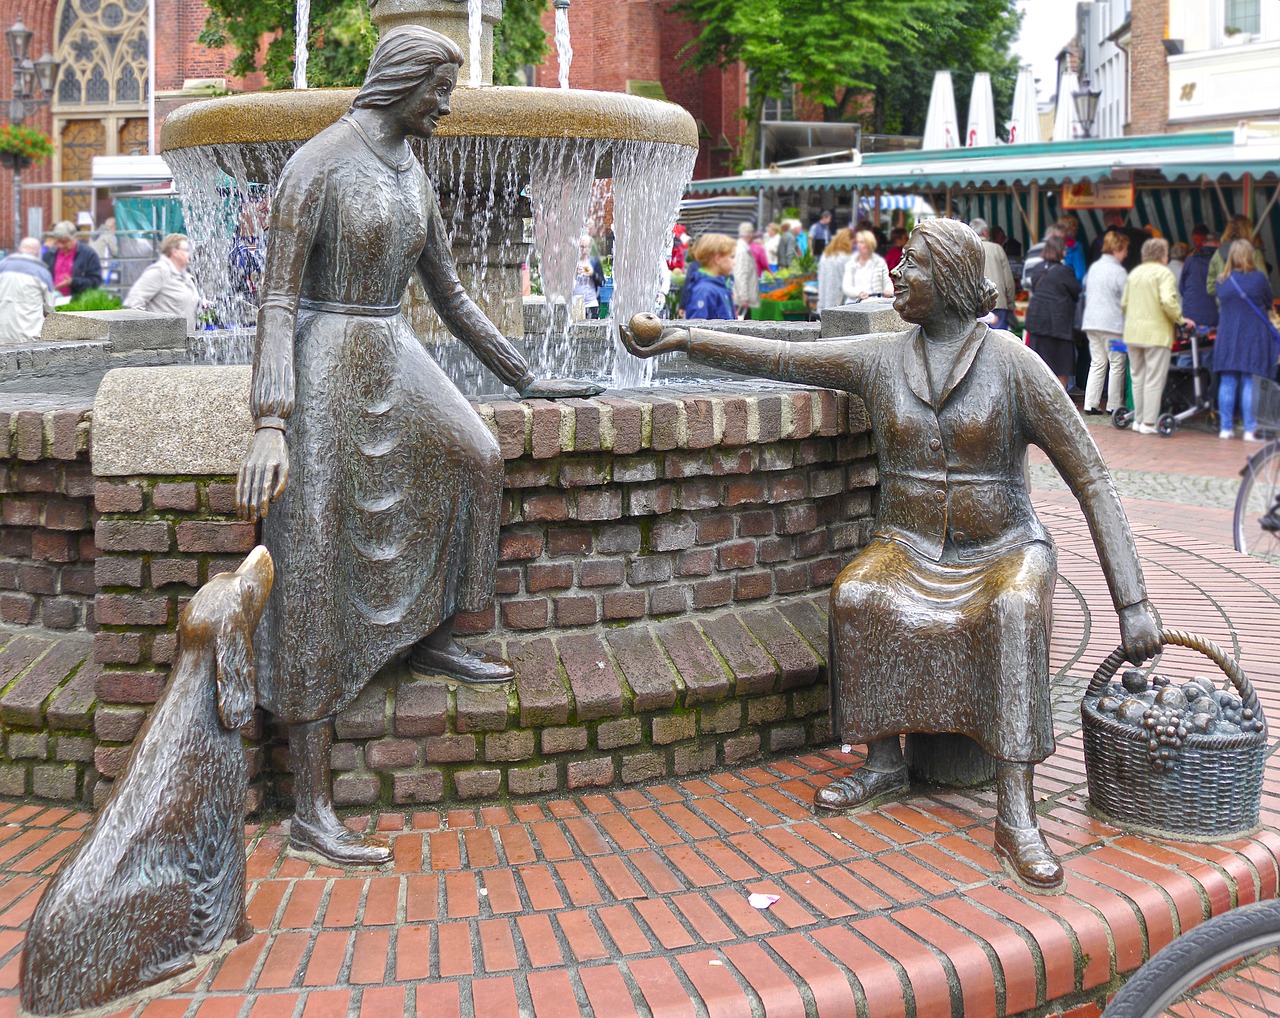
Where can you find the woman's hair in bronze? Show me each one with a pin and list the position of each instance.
(403, 60)
(958, 262)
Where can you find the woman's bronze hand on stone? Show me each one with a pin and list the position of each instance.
(645, 336)
(559, 388)
(262, 474)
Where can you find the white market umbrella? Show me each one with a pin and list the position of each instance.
(981, 129)
(1024, 120)
(1066, 124)
(941, 127)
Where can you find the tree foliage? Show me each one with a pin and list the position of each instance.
(341, 38)
(977, 35)
(860, 60)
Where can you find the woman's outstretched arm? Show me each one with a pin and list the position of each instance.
(841, 364)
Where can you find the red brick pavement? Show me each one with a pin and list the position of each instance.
(634, 901)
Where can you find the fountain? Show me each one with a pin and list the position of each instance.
(504, 155)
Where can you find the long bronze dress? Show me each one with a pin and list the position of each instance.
(941, 624)
(389, 521)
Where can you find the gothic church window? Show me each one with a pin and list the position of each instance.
(102, 45)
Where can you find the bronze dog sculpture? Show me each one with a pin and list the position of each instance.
(159, 883)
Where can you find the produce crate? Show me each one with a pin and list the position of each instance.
(780, 310)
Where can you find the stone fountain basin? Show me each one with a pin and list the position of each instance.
(496, 111)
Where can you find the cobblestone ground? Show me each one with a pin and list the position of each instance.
(1146, 485)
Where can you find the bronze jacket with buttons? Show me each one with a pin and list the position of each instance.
(952, 486)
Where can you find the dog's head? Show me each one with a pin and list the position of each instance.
(225, 612)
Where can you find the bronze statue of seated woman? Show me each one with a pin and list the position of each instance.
(941, 624)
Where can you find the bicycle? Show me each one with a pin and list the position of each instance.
(1256, 525)
(1228, 962)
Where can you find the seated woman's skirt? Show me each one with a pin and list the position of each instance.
(953, 646)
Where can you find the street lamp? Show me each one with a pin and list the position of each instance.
(28, 76)
(1086, 103)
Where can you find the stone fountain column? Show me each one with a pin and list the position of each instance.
(448, 17)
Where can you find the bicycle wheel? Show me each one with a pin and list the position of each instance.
(1258, 493)
(1202, 972)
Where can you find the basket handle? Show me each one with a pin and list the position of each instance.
(1229, 665)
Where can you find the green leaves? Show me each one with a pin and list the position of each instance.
(838, 54)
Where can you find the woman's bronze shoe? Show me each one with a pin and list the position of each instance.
(1028, 857)
(861, 788)
(341, 847)
(471, 666)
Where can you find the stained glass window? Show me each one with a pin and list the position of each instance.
(127, 87)
(102, 45)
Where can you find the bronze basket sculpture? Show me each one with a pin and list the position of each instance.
(1153, 760)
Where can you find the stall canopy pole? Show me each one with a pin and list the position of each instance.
(1021, 211)
(1222, 200)
(1033, 199)
(1267, 211)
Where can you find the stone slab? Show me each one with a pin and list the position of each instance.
(865, 318)
(125, 330)
(176, 421)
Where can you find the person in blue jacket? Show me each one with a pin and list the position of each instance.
(706, 287)
(1073, 255)
(1246, 343)
(1197, 303)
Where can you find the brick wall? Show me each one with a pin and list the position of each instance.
(1149, 68)
(719, 517)
(46, 508)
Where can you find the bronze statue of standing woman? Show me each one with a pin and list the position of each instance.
(941, 624)
(383, 484)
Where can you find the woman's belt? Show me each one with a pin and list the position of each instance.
(360, 310)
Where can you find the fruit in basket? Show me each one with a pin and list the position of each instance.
(1197, 688)
(1167, 714)
(1201, 723)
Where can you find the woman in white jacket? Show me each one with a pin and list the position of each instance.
(866, 274)
(1103, 322)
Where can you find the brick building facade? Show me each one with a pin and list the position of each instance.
(1148, 68)
(99, 106)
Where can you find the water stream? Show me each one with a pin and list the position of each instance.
(475, 31)
(301, 29)
(564, 48)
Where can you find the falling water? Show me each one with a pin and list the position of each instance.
(301, 29)
(648, 180)
(561, 191)
(564, 49)
(475, 27)
(225, 191)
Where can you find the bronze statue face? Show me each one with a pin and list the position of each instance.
(419, 111)
(914, 294)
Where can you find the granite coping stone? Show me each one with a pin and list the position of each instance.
(184, 420)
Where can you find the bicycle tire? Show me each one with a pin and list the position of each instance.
(1258, 492)
(1194, 958)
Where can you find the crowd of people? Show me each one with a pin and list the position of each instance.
(849, 264)
(1128, 297)
(38, 278)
